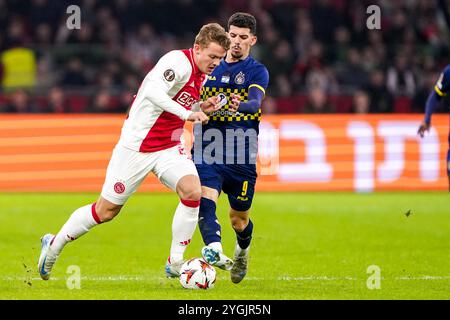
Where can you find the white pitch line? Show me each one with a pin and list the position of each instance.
(283, 278)
(314, 278)
(424, 278)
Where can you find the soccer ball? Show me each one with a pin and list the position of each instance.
(196, 273)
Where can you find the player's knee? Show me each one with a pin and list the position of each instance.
(189, 188)
(106, 214)
(191, 193)
(239, 223)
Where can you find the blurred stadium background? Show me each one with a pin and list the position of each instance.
(321, 56)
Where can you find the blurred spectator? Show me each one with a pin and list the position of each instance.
(400, 78)
(20, 102)
(131, 83)
(324, 18)
(425, 21)
(89, 9)
(19, 67)
(398, 27)
(128, 14)
(318, 102)
(267, 42)
(16, 34)
(361, 102)
(104, 102)
(43, 11)
(381, 100)
(342, 44)
(74, 76)
(320, 78)
(113, 68)
(283, 14)
(43, 35)
(377, 47)
(283, 87)
(420, 97)
(269, 106)
(303, 37)
(125, 101)
(315, 56)
(100, 103)
(84, 36)
(57, 102)
(111, 35)
(142, 50)
(370, 61)
(351, 73)
(313, 72)
(281, 59)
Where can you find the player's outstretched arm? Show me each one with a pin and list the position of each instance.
(256, 92)
(255, 97)
(432, 102)
(422, 128)
(440, 90)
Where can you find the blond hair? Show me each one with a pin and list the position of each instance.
(213, 32)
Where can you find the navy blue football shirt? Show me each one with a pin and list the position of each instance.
(245, 78)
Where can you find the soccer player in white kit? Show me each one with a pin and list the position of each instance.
(150, 142)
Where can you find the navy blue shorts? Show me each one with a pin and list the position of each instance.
(237, 183)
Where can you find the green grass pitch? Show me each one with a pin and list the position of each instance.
(305, 246)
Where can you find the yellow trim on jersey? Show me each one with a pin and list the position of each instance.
(258, 86)
(208, 92)
(438, 91)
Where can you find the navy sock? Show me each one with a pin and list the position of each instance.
(245, 236)
(207, 222)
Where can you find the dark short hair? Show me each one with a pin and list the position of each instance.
(243, 20)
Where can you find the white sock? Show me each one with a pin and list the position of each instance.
(239, 251)
(81, 221)
(216, 245)
(183, 226)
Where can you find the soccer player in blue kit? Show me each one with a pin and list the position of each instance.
(240, 83)
(440, 90)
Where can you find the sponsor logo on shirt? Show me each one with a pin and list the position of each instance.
(185, 99)
(225, 79)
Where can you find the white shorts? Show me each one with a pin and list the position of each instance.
(128, 168)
